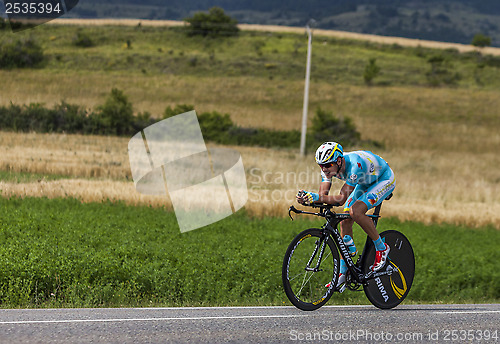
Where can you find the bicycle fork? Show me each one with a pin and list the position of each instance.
(319, 243)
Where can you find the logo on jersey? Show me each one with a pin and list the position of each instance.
(353, 178)
(372, 167)
(359, 165)
(372, 198)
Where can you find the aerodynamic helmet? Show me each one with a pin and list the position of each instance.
(328, 152)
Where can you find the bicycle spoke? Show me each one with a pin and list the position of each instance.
(299, 292)
(297, 275)
(305, 282)
(311, 276)
(325, 258)
(308, 267)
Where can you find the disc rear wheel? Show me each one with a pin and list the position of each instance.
(388, 291)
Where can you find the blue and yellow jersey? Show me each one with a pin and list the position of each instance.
(362, 168)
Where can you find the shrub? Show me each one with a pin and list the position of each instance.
(83, 40)
(142, 120)
(35, 117)
(15, 25)
(491, 60)
(371, 71)
(116, 116)
(215, 126)
(481, 40)
(219, 128)
(441, 72)
(265, 137)
(177, 110)
(69, 118)
(25, 53)
(10, 118)
(215, 23)
(325, 127)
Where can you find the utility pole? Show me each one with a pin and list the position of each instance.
(306, 89)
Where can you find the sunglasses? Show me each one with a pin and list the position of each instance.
(327, 165)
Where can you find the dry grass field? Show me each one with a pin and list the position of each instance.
(431, 186)
(441, 142)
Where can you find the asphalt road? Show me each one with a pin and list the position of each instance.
(334, 324)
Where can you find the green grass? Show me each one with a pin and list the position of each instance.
(153, 50)
(26, 177)
(62, 253)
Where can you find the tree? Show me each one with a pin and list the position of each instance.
(177, 110)
(327, 127)
(215, 23)
(24, 53)
(116, 116)
(371, 71)
(481, 40)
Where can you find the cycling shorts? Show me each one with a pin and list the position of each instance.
(372, 194)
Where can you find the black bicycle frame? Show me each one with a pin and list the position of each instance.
(330, 228)
(331, 225)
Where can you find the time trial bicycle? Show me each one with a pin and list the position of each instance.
(311, 264)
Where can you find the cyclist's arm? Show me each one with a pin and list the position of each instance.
(340, 199)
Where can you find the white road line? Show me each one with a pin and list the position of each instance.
(244, 307)
(464, 312)
(62, 321)
(193, 308)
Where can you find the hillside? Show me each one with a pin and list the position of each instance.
(431, 109)
(76, 233)
(442, 20)
(386, 40)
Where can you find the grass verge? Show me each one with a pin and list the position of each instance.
(62, 253)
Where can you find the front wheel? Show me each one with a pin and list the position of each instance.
(310, 269)
(388, 291)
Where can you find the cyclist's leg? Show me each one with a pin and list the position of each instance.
(346, 229)
(358, 213)
(373, 196)
(346, 225)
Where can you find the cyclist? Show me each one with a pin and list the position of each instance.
(368, 181)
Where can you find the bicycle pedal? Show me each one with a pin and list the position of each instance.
(341, 288)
